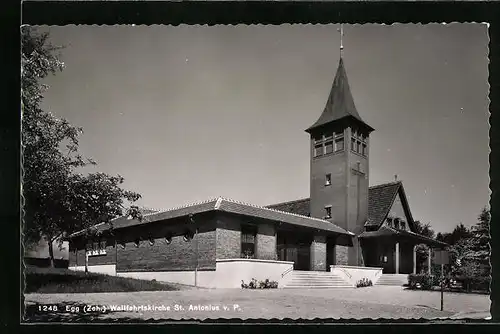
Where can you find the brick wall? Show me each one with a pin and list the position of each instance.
(228, 237)
(266, 242)
(318, 253)
(159, 256)
(178, 255)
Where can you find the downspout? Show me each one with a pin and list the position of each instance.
(358, 246)
(196, 250)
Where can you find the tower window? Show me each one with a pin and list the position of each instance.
(339, 144)
(318, 150)
(329, 147)
(328, 179)
(328, 212)
(358, 143)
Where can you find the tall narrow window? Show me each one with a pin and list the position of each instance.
(329, 147)
(318, 150)
(339, 144)
(328, 179)
(402, 225)
(396, 223)
(248, 234)
(328, 212)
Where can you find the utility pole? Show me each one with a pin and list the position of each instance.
(442, 284)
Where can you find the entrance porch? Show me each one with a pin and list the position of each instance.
(309, 251)
(395, 250)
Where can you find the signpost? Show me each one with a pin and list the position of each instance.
(441, 257)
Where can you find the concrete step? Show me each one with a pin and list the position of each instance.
(315, 280)
(392, 279)
(317, 286)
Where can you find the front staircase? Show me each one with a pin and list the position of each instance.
(315, 280)
(393, 279)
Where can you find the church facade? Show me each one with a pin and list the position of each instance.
(344, 223)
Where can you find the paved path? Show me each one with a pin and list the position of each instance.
(372, 302)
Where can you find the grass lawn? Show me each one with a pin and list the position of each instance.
(55, 280)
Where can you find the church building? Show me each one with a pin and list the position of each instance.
(345, 231)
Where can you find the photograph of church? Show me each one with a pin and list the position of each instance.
(344, 231)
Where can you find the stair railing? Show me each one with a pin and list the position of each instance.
(346, 272)
(287, 271)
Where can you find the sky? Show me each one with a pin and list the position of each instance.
(189, 113)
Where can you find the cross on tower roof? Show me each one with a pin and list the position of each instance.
(341, 30)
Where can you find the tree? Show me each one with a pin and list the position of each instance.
(480, 247)
(470, 255)
(57, 200)
(421, 249)
(459, 232)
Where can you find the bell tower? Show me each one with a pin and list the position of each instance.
(340, 166)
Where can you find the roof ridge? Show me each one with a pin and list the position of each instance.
(386, 184)
(184, 206)
(284, 212)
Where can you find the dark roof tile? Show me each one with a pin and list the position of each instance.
(340, 103)
(380, 199)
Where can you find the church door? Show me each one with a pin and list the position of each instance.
(303, 257)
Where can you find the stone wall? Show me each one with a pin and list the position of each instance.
(318, 253)
(228, 237)
(341, 255)
(266, 242)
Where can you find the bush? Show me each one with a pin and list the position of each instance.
(364, 283)
(470, 283)
(422, 281)
(254, 284)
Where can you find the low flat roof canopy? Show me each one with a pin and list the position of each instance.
(224, 205)
(385, 231)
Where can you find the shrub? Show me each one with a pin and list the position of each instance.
(470, 283)
(364, 283)
(423, 281)
(254, 284)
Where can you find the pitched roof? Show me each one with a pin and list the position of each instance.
(380, 199)
(225, 205)
(300, 206)
(389, 231)
(340, 102)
